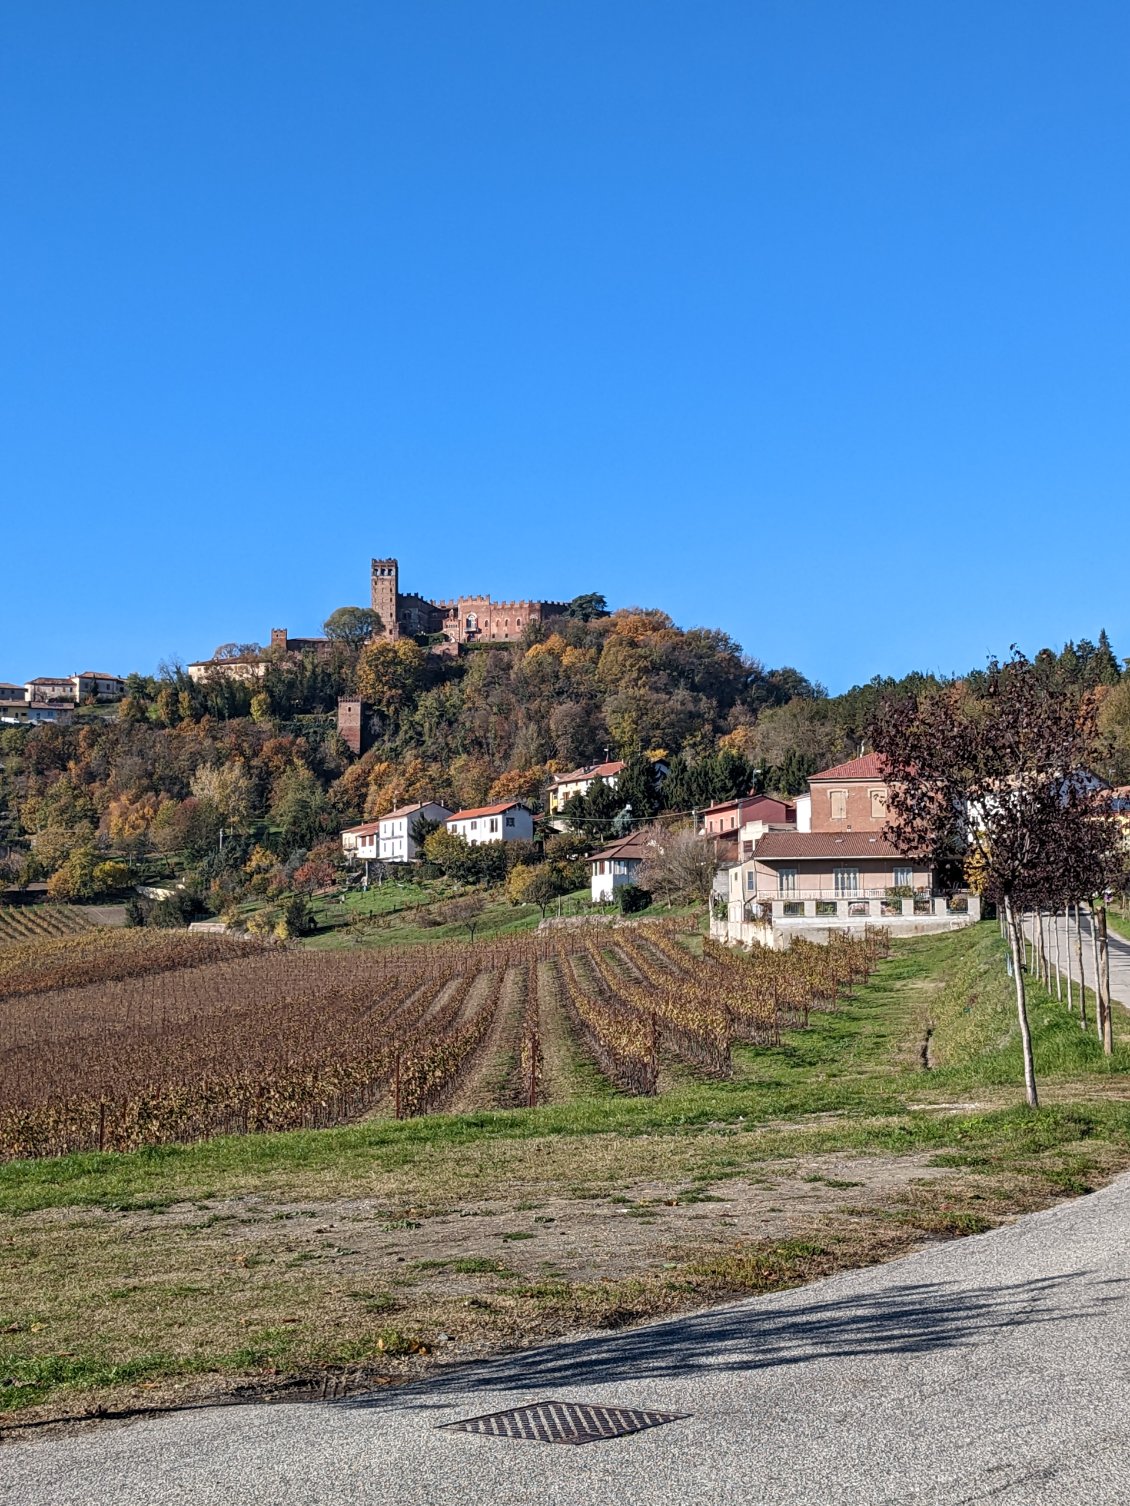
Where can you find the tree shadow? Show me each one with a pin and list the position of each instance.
(911, 1319)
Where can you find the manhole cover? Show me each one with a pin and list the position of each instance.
(562, 1422)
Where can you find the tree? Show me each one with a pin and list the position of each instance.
(595, 811)
(229, 651)
(353, 626)
(227, 787)
(299, 810)
(422, 828)
(109, 876)
(588, 606)
(75, 879)
(678, 863)
(538, 885)
(390, 674)
(994, 776)
(637, 787)
(454, 854)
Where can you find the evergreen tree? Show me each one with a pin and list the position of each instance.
(637, 786)
(1104, 668)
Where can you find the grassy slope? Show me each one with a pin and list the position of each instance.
(853, 1083)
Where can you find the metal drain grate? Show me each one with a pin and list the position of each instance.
(562, 1422)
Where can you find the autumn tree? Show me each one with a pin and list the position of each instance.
(994, 776)
(352, 626)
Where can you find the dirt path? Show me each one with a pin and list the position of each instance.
(567, 1069)
(486, 1085)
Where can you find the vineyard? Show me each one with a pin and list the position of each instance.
(23, 923)
(114, 1042)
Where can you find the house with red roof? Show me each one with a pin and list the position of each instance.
(508, 821)
(837, 866)
(580, 781)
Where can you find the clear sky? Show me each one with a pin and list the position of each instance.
(803, 319)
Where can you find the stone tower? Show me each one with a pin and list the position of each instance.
(386, 596)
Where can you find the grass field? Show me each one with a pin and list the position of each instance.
(365, 1252)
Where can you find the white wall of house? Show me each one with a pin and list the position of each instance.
(804, 812)
(396, 842)
(610, 874)
(104, 687)
(513, 825)
(50, 688)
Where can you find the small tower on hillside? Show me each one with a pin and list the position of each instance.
(386, 596)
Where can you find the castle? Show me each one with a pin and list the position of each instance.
(467, 619)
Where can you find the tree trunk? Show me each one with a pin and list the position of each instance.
(1082, 973)
(1098, 981)
(1067, 950)
(1103, 979)
(1053, 921)
(1016, 943)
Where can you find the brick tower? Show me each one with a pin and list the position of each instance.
(386, 597)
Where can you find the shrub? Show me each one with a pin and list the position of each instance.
(631, 898)
(110, 875)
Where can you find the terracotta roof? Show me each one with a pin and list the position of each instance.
(747, 800)
(590, 771)
(869, 766)
(824, 844)
(410, 810)
(95, 674)
(486, 810)
(366, 829)
(631, 847)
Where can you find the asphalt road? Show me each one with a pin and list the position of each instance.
(1118, 948)
(994, 1369)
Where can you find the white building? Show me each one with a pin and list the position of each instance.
(352, 836)
(94, 683)
(614, 867)
(509, 821)
(51, 688)
(395, 843)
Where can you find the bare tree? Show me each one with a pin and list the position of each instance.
(679, 864)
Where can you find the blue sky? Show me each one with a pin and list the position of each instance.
(805, 320)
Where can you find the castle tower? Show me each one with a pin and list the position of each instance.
(386, 596)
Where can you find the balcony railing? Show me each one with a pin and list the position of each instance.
(874, 904)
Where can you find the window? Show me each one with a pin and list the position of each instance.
(510, 820)
(878, 805)
(904, 878)
(846, 881)
(786, 880)
(474, 826)
(839, 804)
(751, 880)
(517, 622)
(472, 622)
(494, 823)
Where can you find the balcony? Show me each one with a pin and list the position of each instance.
(864, 904)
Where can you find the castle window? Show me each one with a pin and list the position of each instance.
(517, 622)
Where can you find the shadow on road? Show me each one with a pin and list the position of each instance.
(908, 1319)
